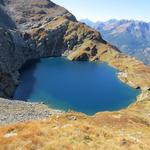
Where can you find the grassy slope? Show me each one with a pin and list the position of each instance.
(127, 129)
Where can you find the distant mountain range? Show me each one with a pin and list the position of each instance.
(130, 36)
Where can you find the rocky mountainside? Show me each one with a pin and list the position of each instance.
(40, 28)
(130, 36)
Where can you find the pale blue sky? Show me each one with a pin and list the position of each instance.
(108, 9)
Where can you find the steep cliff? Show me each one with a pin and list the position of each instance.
(6, 20)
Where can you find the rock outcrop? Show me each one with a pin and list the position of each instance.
(17, 45)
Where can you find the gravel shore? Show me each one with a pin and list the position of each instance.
(12, 111)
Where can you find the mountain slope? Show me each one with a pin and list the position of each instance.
(122, 130)
(40, 33)
(131, 37)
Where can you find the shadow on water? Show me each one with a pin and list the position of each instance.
(27, 80)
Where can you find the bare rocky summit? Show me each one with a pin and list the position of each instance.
(40, 28)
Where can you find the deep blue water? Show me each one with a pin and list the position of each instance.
(87, 87)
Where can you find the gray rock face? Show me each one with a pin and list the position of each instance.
(11, 59)
(5, 19)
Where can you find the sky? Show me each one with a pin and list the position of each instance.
(102, 10)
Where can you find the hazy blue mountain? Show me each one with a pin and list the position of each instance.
(88, 22)
(130, 36)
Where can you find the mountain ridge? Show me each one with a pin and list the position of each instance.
(130, 36)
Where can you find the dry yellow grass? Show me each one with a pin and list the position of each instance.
(127, 129)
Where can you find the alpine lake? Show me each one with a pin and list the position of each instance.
(82, 86)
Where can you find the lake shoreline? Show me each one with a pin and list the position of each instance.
(31, 110)
(12, 116)
(65, 84)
